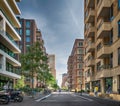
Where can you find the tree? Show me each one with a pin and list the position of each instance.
(34, 61)
(20, 83)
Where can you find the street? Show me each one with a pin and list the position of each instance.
(64, 99)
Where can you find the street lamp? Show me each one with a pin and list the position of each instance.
(81, 85)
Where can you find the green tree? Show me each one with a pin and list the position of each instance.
(20, 83)
(34, 61)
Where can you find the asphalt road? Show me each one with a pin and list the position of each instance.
(64, 99)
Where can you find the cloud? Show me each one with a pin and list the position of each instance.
(61, 22)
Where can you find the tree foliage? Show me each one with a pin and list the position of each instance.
(34, 62)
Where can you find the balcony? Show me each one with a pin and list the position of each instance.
(91, 31)
(14, 7)
(9, 28)
(0, 66)
(108, 72)
(9, 13)
(104, 29)
(90, 3)
(104, 51)
(8, 42)
(90, 17)
(89, 78)
(10, 59)
(91, 47)
(91, 62)
(10, 74)
(104, 8)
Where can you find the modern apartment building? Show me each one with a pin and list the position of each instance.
(51, 63)
(8, 46)
(29, 35)
(102, 44)
(75, 66)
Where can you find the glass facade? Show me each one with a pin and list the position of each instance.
(118, 56)
(108, 83)
(28, 39)
(5, 80)
(28, 32)
(118, 4)
(119, 28)
(6, 50)
(28, 24)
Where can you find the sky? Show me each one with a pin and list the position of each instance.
(61, 22)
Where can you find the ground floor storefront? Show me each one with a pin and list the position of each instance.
(6, 81)
(105, 85)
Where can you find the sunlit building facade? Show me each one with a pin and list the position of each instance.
(52, 63)
(9, 71)
(75, 66)
(102, 44)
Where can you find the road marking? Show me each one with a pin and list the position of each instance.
(43, 98)
(84, 98)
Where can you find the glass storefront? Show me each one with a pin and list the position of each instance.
(5, 80)
(108, 83)
(96, 83)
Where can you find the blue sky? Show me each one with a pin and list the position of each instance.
(61, 22)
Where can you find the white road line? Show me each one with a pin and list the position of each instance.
(84, 98)
(42, 98)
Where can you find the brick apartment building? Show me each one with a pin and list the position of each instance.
(75, 66)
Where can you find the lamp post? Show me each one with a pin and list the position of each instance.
(81, 86)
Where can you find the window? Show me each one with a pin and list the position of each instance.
(81, 66)
(111, 37)
(111, 60)
(27, 24)
(111, 13)
(80, 43)
(118, 56)
(98, 66)
(118, 4)
(28, 32)
(27, 39)
(119, 28)
(81, 51)
(20, 32)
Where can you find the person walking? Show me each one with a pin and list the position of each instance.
(96, 91)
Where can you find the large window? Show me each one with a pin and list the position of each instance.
(119, 28)
(28, 32)
(118, 56)
(20, 32)
(27, 24)
(111, 13)
(27, 39)
(118, 4)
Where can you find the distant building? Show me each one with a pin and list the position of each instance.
(51, 63)
(75, 66)
(64, 81)
(9, 49)
(29, 35)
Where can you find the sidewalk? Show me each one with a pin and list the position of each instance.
(108, 101)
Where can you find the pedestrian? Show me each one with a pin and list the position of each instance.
(109, 89)
(96, 91)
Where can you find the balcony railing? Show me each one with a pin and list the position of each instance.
(104, 50)
(90, 16)
(103, 28)
(0, 66)
(104, 8)
(11, 39)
